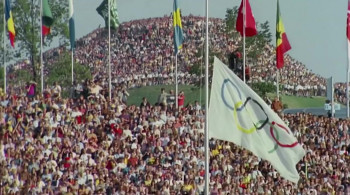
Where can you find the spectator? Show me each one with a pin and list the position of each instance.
(162, 98)
(31, 89)
(181, 99)
(276, 105)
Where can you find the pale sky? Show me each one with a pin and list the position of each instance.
(316, 29)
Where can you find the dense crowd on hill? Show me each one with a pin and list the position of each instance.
(88, 144)
(142, 54)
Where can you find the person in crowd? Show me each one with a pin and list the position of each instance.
(181, 99)
(162, 98)
(276, 105)
(56, 90)
(31, 89)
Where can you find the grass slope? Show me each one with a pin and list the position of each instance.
(193, 93)
(303, 102)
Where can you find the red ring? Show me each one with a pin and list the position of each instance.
(280, 144)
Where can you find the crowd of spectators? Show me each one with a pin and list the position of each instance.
(88, 144)
(142, 54)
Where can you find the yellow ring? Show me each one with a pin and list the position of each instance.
(244, 130)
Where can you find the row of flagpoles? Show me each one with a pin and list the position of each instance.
(245, 25)
(46, 21)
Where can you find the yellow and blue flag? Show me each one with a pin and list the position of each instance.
(10, 23)
(178, 34)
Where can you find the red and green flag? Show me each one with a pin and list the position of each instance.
(282, 43)
(47, 19)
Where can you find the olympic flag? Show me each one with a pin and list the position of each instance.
(237, 114)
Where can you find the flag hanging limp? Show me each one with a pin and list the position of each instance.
(178, 33)
(250, 26)
(282, 43)
(71, 25)
(10, 23)
(103, 11)
(47, 19)
(237, 114)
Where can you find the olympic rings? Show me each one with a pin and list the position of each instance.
(239, 106)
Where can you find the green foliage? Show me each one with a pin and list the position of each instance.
(27, 21)
(254, 45)
(263, 88)
(1, 77)
(61, 72)
(21, 76)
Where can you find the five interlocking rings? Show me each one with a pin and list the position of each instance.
(239, 106)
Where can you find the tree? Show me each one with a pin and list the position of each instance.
(61, 72)
(254, 45)
(262, 88)
(27, 19)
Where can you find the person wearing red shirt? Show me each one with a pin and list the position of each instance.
(133, 160)
(181, 100)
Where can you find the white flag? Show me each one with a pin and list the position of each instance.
(237, 114)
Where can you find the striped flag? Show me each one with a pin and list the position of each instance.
(178, 34)
(71, 25)
(10, 23)
(47, 19)
(282, 43)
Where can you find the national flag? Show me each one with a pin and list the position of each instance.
(47, 19)
(282, 43)
(250, 26)
(178, 33)
(237, 114)
(71, 25)
(10, 23)
(103, 11)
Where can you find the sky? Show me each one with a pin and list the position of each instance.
(316, 29)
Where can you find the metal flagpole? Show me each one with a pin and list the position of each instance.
(332, 101)
(72, 65)
(41, 47)
(277, 83)
(109, 51)
(4, 46)
(244, 24)
(207, 100)
(176, 85)
(347, 83)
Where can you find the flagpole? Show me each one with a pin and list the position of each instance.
(109, 52)
(4, 46)
(41, 47)
(207, 100)
(72, 59)
(347, 83)
(277, 83)
(176, 85)
(332, 102)
(244, 24)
